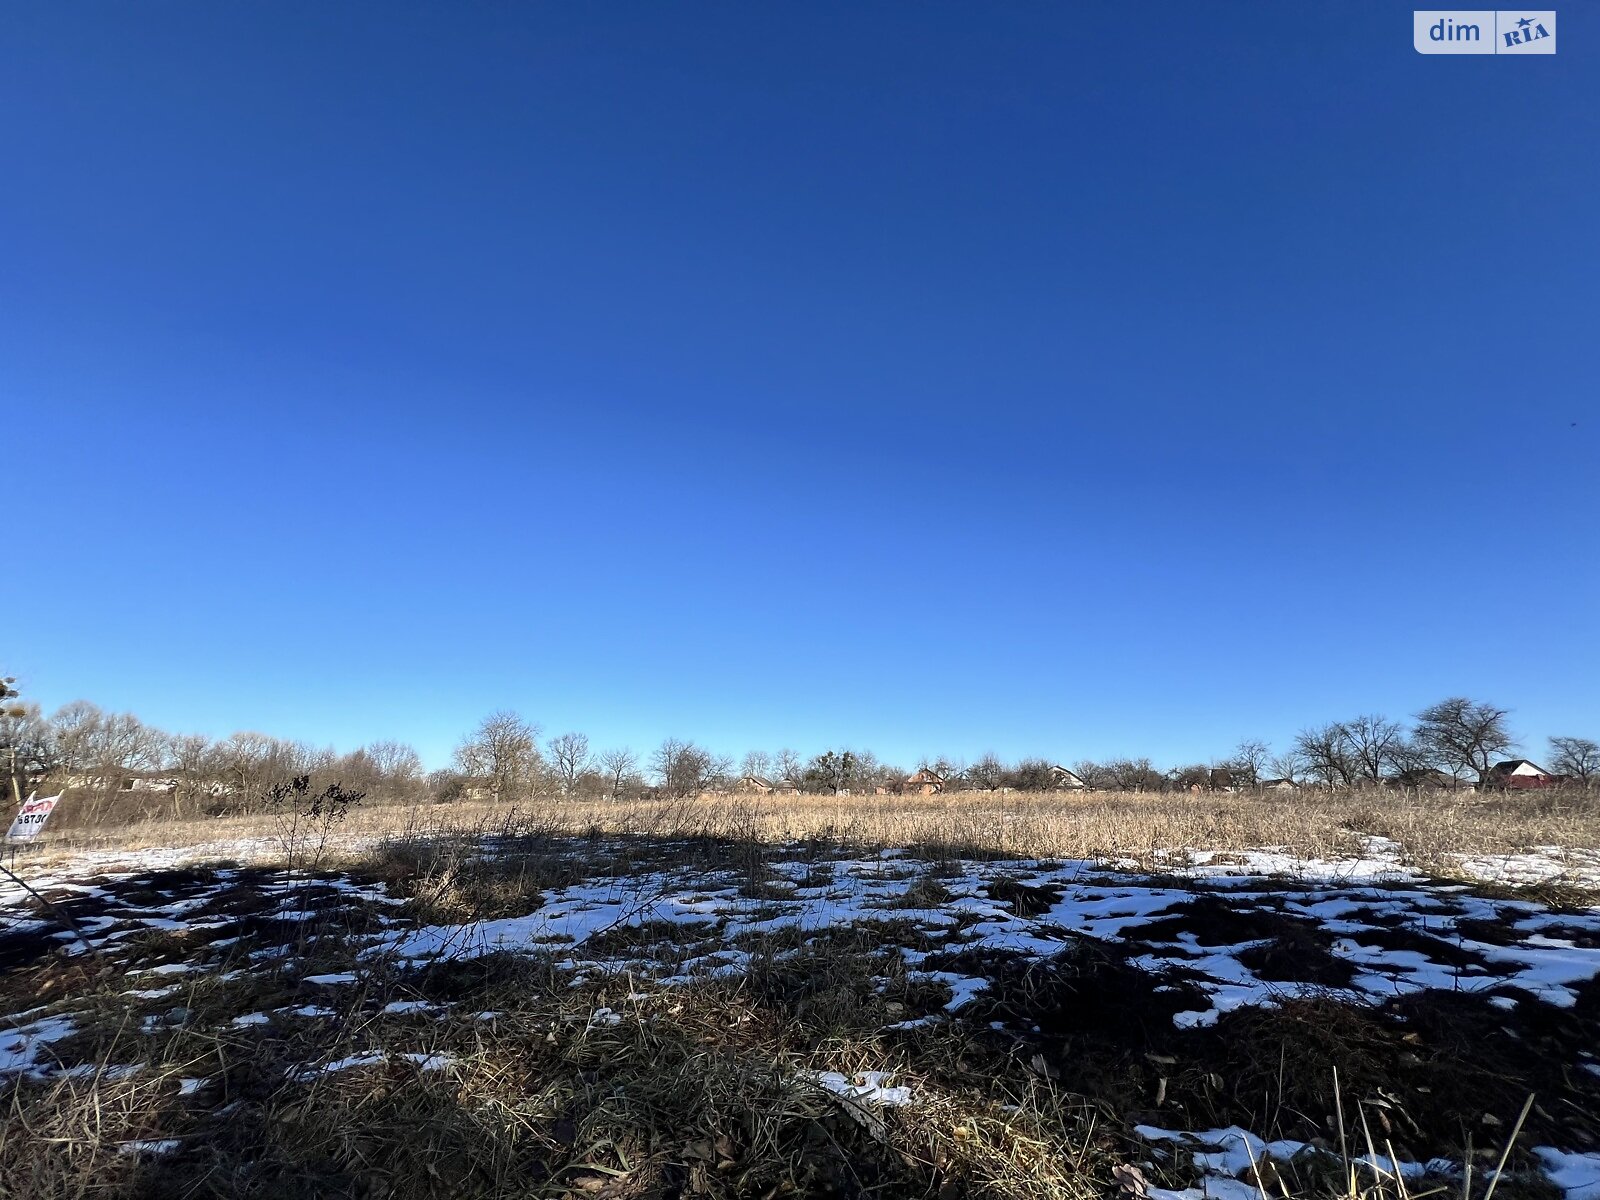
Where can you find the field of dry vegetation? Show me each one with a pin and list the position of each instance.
(1043, 996)
(1431, 829)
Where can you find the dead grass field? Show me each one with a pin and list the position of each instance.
(1431, 829)
(722, 997)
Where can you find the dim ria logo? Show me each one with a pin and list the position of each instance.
(1484, 31)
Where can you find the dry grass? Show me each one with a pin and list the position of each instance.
(708, 1088)
(700, 1090)
(705, 1090)
(1429, 827)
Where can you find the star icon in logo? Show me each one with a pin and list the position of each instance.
(1525, 22)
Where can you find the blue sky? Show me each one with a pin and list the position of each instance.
(938, 378)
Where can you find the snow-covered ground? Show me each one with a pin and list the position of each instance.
(1380, 860)
(1239, 930)
(1352, 909)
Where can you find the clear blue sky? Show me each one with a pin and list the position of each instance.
(1081, 380)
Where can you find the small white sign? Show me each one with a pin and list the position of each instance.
(30, 821)
(1484, 31)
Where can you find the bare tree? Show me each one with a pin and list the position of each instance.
(1134, 775)
(685, 769)
(617, 764)
(1290, 765)
(757, 763)
(305, 759)
(1464, 734)
(1577, 758)
(446, 785)
(868, 770)
(789, 765)
(396, 761)
(1247, 760)
(987, 773)
(569, 757)
(666, 762)
(1326, 752)
(1413, 763)
(245, 761)
(388, 769)
(504, 750)
(1093, 774)
(1032, 775)
(952, 770)
(73, 729)
(118, 745)
(192, 760)
(718, 770)
(1373, 744)
(26, 744)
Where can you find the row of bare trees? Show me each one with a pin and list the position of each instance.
(116, 759)
(110, 758)
(1454, 742)
(504, 759)
(1457, 738)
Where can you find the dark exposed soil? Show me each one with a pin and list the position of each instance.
(1300, 954)
(1431, 1070)
(1215, 922)
(1451, 954)
(1026, 900)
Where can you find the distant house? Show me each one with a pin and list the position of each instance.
(149, 781)
(116, 780)
(785, 787)
(1519, 774)
(1279, 785)
(923, 783)
(1063, 780)
(753, 785)
(1221, 779)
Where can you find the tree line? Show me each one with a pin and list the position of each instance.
(115, 759)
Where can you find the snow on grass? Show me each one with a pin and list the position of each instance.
(157, 1146)
(864, 1087)
(1379, 862)
(1230, 1160)
(396, 1007)
(1075, 900)
(1577, 1175)
(422, 1062)
(962, 987)
(1393, 931)
(1542, 864)
(21, 1045)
